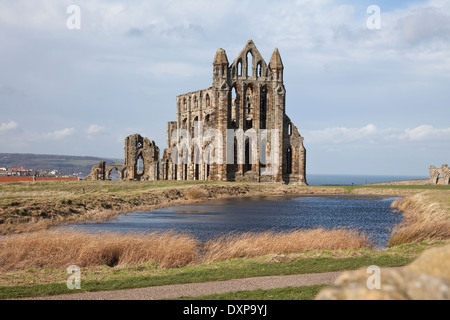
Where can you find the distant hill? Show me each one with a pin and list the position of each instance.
(67, 165)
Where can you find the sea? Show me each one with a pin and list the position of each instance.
(337, 179)
(344, 180)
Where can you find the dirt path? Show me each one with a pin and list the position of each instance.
(198, 289)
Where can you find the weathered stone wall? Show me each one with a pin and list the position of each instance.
(245, 104)
(246, 95)
(97, 172)
(440, 175)
(138, 151)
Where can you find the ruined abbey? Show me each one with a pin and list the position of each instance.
(440, 175)
(236, 130)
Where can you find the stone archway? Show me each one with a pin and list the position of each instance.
(440, 175)
(121, 170)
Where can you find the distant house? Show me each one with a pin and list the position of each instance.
(20, 171)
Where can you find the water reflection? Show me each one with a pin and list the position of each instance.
(370, 214)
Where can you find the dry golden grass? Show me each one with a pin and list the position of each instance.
(426, 217)
(168, 250)
(261, 244)
(196, 194)
(419, 232)
(61, 249)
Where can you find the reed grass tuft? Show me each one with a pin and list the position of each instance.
(169, 250)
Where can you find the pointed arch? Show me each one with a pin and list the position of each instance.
(195, 127)
(248, 109)
(208, 101)
(113, 174)
(195, 102)
(166, 170)
(259, 71)
(249, 99)
(233, 111)
(289, 158)
(248, 156)
(437, 177)
(249, 63)
(196, 160)
(263, 153)
(263, 108)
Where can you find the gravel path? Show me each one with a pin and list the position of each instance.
(198, 289)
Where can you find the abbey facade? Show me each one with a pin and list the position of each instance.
(236, 130)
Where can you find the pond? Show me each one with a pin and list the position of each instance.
(370, 214)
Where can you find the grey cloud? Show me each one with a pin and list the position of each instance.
(424, 26)
(135, 32)
(8, 126)
(178, 31)
(10, 91)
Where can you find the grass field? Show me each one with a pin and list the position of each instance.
(28, 211)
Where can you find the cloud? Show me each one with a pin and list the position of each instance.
(342, 134)
(178, 31)
(173, 69)
(59, 134)
(373, 135)
(8, 126)
(427, 133)
(95, 129)
(423, 26)
(46, 15)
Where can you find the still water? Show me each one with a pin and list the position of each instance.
(369, 214)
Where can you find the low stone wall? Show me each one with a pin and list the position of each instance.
(31, 179)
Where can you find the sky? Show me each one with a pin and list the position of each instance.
(370, 94)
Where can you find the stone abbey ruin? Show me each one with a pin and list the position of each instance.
(236, 130)
(440, 175)
(141, 162)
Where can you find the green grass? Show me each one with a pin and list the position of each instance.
(289, 293)
(425, 187)
(117, 279)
